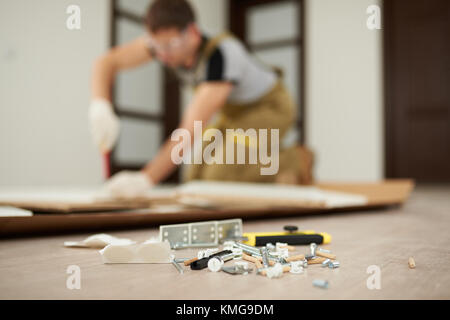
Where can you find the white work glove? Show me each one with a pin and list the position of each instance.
(128, 185)
(105, 125)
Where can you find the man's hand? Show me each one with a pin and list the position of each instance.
(105, 125)
(129, 184)
(208, 99)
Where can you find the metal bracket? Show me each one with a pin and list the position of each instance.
(200, 234)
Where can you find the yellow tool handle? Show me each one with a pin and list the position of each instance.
(293, 238)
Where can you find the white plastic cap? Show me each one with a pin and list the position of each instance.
(215, 264)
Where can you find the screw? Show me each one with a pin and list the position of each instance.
(333, 265)
(237, 253)
(313, 248)
(326, 263)
(180, 270)
(305, 263)
(247, 248)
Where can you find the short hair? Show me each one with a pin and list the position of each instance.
(162, 14)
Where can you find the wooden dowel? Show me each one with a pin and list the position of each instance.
(295, 258)
(188, 262)
(249, 258)
(326, 255)
(271, 262)
(316, 260)
(411, 263)
(286, 268)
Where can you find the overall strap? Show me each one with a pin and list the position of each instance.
(209, 48)
(212, 44)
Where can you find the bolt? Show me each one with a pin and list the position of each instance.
(265, 257)
(320, 283)
(324, 250)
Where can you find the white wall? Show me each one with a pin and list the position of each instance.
(44, 92)
(344, 90)
(212, 15)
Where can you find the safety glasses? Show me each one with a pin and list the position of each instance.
(172, 45)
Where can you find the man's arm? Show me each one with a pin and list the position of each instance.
(105, 124)
(119, 58)
(208, 99)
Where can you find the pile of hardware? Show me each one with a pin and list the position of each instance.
(271, 260)
(268, 259)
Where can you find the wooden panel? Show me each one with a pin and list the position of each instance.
(388, 192)
(379, 195)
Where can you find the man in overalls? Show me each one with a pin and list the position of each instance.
(229, 84)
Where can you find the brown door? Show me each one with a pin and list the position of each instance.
(417, 88)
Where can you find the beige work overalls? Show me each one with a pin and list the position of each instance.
(275, 110)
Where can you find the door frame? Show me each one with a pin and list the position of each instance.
(171, 95)
(388, 64)
(236, 20)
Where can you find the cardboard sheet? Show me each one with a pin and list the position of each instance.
(51, 200)
(267, 194)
